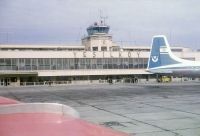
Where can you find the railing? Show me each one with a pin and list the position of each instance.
(57, 83)
(100, 81)
(53, 83)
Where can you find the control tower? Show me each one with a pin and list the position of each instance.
(98, 38)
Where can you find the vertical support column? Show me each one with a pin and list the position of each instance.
(157, 78)
(18, 81)
(53, 79)
(99, 47)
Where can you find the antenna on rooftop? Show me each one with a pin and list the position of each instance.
(102, 18)
(6, 35)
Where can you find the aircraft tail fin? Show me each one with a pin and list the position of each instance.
(160, 54)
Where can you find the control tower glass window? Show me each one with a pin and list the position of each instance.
(98, 29)
(103, 48)
(95, 48)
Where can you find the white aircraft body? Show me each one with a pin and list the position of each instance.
(163, 61)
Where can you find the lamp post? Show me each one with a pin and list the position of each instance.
(138, 55)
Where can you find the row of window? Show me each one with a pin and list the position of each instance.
(72, 63)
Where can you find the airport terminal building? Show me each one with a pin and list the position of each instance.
(98, 59)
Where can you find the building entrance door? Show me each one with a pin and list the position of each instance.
(1, 82)
(5, 82)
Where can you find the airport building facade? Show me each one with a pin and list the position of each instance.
(98, 59)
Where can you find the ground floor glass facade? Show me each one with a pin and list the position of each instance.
(32, 64)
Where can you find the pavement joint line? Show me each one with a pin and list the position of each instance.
(132, 119)
(11, 93)
(79, 102)
(171, 109)
(169, 118)
(151, 132)
(185, 128)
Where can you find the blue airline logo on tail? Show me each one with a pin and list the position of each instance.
(154, 58)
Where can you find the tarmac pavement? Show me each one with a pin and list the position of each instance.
(142, 109)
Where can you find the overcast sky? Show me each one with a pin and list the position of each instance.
(131, 21)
